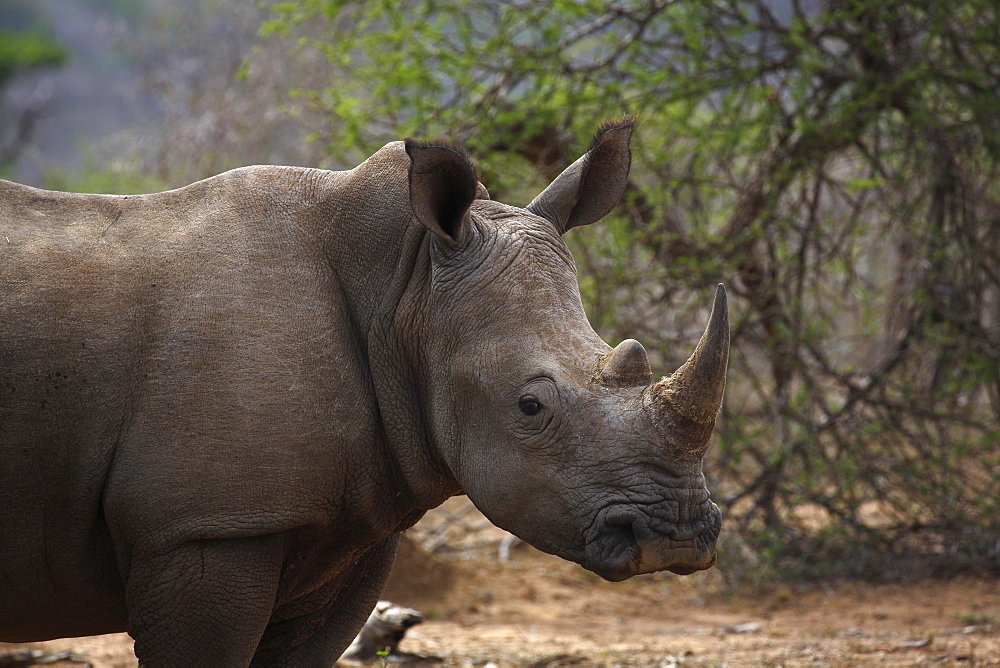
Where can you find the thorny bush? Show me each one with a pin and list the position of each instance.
(835, 163)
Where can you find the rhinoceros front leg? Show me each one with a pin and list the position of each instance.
(322, 631)
(203, 603)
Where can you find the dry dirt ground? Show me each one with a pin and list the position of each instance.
(537, 610)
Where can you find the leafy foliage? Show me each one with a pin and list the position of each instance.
(23, 50)
(836, 166)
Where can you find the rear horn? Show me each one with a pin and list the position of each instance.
(627, 366)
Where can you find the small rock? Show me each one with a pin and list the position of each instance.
(382, 632)
(749, 627)
(21, 658)
(916, 644)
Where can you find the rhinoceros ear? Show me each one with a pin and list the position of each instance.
(443, 185)
(591, 186)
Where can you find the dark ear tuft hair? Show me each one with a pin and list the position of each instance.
(607, 126)
(589, 188)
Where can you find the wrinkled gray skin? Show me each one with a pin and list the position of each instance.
(219, 405)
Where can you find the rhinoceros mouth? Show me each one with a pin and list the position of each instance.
(688, 561)
(684, 569)
(619, 565)
(623, 546)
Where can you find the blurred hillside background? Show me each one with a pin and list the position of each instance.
(834, 163)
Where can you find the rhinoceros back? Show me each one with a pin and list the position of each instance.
(127, 325)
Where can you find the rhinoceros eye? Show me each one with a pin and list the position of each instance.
(529, 405)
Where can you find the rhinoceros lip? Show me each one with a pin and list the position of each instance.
(688, 569)
(614, 574)
(683, 559)
(635, 566)
(625, 546)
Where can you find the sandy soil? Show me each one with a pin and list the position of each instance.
(536, 610)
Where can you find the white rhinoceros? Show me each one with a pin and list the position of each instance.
(220, 405)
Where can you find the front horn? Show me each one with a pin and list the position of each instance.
(689, 400)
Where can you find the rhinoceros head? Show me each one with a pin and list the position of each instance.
(555, 436)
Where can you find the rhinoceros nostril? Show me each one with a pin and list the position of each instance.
(621, 527)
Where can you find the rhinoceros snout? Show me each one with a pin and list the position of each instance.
(627, 543)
